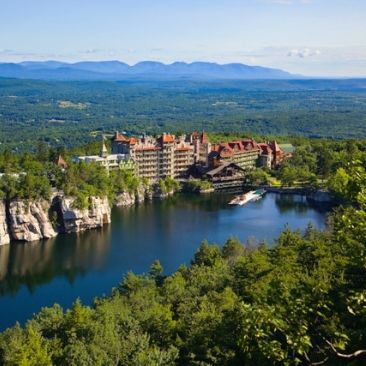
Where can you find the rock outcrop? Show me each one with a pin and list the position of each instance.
(23, 220)
(29, 221)
(96, 215)
(4, 233)
(127, 198)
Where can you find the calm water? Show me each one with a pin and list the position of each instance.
(89, 264)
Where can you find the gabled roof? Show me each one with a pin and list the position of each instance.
(120, 137)
(223, 166)
(275, 147)
(227, 149)
(204, 138)
(266, 149)
(166, 138)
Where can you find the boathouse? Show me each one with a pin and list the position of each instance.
(226, 176)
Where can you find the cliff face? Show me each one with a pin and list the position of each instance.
(29, 221)
(4, 234)
(23, 220)
(125, 199)
(96, 215)
(128, 198)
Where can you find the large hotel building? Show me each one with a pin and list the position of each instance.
(173, 156)
(165, 156)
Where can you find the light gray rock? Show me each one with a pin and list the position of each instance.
(39, 210)
(4, 232)
(96, 215)
(125, 199)
(140, 194)
(29, 221)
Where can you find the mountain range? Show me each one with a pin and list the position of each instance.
(116, 70)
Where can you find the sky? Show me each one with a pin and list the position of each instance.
(308, 37)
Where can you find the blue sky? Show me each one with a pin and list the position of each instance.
(310, 37)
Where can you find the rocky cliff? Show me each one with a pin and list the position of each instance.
(4, 233)
(140, 195)
(96, 215)
(23, 220)
(29, 221)
(130, 198)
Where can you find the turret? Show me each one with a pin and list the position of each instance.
(104, 152)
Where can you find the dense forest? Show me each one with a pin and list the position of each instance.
(300, 302)
(33, 176)
(74, 113)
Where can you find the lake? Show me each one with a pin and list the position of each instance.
(89, 264)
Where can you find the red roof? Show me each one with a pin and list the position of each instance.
(119, 137)
(166, 138)
(61, 162)
(265, 148)
(204, 138)
(200, 136)
(227, 149)
(274, 146)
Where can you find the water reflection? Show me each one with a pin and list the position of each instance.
(298, 204)
(89, 264)
(37, 263)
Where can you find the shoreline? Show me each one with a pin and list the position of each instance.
(26, 225)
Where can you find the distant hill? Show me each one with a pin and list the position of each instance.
(116, 70)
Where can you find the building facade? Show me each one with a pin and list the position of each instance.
(247, 153)
(155, 158)
(201, 146)
(112, 161)
(174, 156)
(244, 153)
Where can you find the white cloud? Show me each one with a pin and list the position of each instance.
(302, 53)
(90, 51)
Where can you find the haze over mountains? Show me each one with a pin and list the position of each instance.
(116, 70)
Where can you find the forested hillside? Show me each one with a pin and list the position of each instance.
(300, 302)
(73, 113)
